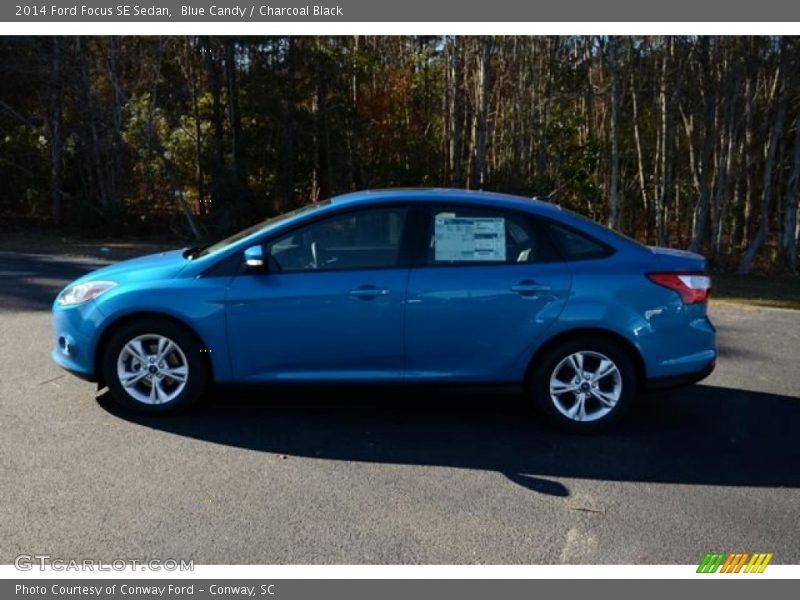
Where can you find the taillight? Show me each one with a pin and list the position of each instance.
(693, 288)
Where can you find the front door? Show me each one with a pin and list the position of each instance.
(331, 309)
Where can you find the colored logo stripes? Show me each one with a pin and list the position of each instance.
(734, 563)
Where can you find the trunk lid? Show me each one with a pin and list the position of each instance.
(671, 259)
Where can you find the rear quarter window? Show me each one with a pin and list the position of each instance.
(574, 245)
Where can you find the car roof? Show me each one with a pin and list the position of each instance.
(444, 195)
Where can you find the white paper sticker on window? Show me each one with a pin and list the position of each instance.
(470, 239)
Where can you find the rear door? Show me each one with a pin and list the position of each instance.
(488, 286)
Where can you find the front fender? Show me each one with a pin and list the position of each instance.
(197, 303)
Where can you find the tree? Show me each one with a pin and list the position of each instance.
(783, 83)
(483, 82)
(55, 123)
(689, 141)
(788, 234)
(613, 214)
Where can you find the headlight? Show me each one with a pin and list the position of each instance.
(83, 292)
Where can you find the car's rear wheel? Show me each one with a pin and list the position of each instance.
(585, 385)
(154, 366)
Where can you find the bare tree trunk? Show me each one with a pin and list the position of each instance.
(90, 141)
(115, 168)
(353, 156)
(234, 117)
(288, 173)
(457, 113)
(552, 45)
(447, 104)
(612, 69)
(751, 91)
(788, 235)
(739, 195)
(517, 113)
(701, 209)
(590, 95)
(483, 87)
(776, 134)
(215, 86)
(198, 132)
(724, 165)
(56, 108)
(322, 134)
(639, 158)
(670, 91)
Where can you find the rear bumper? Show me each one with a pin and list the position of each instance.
(673, 381)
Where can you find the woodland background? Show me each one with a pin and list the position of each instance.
(692, 142)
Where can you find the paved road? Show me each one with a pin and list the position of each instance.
(382, 476)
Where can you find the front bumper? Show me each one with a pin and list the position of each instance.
(75, 333)
(72, 367)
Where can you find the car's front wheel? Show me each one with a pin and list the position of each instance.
(585, 385)
(154, 366)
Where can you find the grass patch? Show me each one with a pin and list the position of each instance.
(776, 291)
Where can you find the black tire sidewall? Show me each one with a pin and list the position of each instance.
(541, 383)
(198, 369)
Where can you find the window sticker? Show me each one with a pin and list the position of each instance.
(469, 239)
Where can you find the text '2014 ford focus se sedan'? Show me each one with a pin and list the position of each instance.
(419, 286)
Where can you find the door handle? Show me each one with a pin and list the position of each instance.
(529, 288)
(367, 292)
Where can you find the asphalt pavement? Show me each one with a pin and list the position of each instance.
(379, 475)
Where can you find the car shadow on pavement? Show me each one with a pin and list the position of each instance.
(702, 435)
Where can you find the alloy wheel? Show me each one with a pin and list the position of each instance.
(585, 386)
(152, 369)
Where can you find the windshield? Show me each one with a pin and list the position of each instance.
(240, 235)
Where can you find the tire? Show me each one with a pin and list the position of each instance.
(606, 398)
(155, 350)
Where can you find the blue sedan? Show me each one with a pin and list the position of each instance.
(414, 286)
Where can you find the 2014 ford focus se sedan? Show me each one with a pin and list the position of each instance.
(415, 286)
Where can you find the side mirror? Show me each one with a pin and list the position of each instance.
(254, 258)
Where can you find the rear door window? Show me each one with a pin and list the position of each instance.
(464, 235)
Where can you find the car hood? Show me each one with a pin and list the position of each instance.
(679, 259)
(164, 265)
